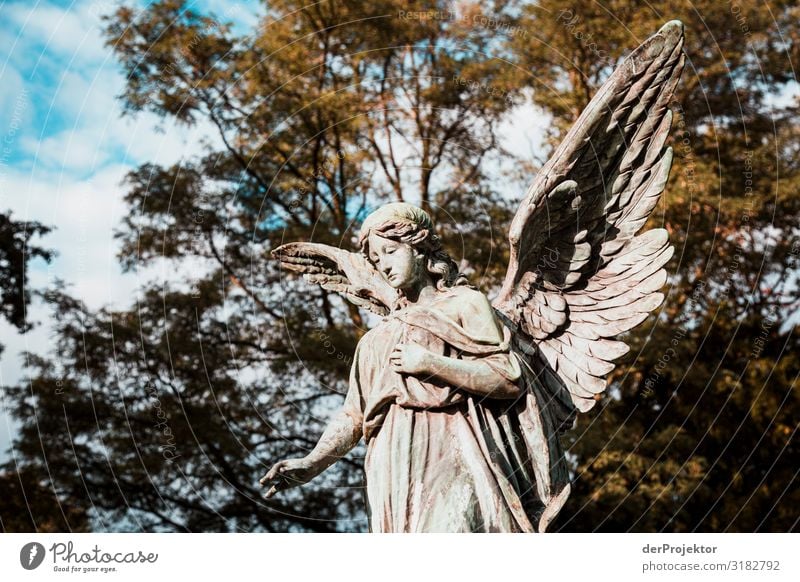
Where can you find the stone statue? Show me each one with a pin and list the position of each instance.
(462, 401)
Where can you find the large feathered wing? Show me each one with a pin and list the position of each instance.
(334, 269)
(578, 274)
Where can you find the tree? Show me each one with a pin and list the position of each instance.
(163, 416)
(27, 504)
(698, 434)
(170, 411)
(16, 252)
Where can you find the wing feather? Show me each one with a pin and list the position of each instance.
(341, 271)
(579, 275)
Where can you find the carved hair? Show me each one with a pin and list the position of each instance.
(409, 224)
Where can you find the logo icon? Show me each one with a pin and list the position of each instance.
(31, 555)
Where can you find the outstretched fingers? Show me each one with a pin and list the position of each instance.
(272, 474)
(278, 482)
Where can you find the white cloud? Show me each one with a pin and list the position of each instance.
(88, 95)
(152, 139)
(524, 131)
(69, 150)
(14, 102)
(75, 148)
(72, 33)
(84, 214)
(240, 14)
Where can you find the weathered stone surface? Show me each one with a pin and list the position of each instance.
(461, 401)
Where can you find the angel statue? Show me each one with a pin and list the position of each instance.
(462, 402)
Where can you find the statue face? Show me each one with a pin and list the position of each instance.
(396, 261)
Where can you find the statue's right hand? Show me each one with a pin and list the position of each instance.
(287, 474)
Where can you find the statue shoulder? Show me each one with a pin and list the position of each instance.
(471, 298)
(465, 303)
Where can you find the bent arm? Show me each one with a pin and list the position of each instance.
(479, 376)
(494, 375)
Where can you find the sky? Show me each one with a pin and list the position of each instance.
(66, 147)
(64, 151)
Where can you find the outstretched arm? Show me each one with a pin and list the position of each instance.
(340, 436)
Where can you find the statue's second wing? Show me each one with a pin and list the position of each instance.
(334, 269)
(578, 274)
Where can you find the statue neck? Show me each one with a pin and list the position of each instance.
(422, 292)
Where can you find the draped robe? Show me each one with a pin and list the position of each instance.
(441, 459)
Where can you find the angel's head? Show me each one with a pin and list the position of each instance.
(398, 239)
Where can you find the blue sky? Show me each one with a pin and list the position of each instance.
(65, 149)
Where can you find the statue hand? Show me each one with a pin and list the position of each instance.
(287, 474)
(411, 358)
